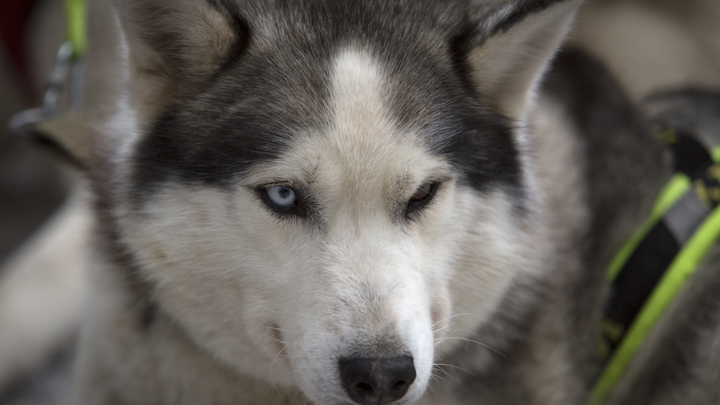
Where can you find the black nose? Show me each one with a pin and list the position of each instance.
(377, 381)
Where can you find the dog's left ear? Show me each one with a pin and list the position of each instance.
(509, 46)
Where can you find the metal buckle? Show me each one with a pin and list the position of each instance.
(66, 73)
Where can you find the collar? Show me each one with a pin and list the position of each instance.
(651, 268)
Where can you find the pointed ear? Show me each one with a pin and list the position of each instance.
(174, 46)
(510, 46)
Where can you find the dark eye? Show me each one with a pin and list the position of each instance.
(281, 199)
(422, 197)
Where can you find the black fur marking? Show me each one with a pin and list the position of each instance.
(459, 47)
(203, 150)
(522, 10)
(247, 114)
(253, 109)
(484, 150)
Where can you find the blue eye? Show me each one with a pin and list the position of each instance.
(283, 200)
(282, 197)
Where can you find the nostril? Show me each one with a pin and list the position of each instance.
(364, 389)
(401, 385)
(377, 380)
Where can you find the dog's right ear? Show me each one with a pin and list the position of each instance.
(174, 46)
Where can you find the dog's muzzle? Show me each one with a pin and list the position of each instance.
(377, 380)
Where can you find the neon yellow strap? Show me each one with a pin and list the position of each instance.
(76, 15)
(682, 267)
(679, 184)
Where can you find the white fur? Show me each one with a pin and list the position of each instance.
(282, 300)
(244, 294)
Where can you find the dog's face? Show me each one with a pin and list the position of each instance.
(322, 206)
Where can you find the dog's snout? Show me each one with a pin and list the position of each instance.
(377, 380)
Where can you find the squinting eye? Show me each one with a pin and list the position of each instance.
(422, 197)
(280, 198)
(423, 193)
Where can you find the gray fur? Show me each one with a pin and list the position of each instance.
(217, 94)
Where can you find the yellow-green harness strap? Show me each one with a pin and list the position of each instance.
(680, 270)
(682, 266)
(76, 28)
(679, 184)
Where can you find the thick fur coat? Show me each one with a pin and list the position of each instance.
(367, 202)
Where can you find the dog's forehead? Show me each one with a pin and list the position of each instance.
(363, 141)
(294, 78)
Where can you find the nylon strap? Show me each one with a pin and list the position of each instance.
(651, 268)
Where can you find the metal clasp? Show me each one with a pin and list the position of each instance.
(64, 91)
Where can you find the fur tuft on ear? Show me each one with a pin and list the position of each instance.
(509, 47)
(177, 41)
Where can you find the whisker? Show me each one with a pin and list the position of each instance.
(438, 378)
(433, 390)
(454, 331)
(440, 365)
(452, 317)
(472, 341)
(450, 380)
(450, 383)
(272, 378)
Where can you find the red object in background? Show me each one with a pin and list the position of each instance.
(14, 15)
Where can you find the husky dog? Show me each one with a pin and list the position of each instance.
(361, 202)
(328, 196)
